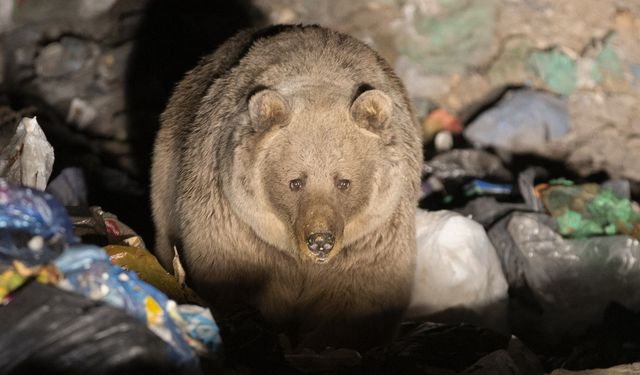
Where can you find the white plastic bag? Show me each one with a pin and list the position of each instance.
(458, 274)
(28, 158)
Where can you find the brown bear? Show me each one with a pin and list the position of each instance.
(286, 174)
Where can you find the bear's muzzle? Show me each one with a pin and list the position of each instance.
(319, 229)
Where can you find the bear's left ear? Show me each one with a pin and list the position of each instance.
(268, 108)
(372, 110)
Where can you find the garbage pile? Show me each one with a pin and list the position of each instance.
(524, 267)
(58, 296)
(567, 244)
(38, 246)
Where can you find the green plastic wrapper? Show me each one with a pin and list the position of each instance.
(589, 210)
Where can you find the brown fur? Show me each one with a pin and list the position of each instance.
(268, 107)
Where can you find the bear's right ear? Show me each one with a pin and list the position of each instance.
(268, 108)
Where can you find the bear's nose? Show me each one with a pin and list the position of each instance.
(320, 243)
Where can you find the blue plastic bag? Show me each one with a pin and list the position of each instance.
(34, 227)
(88, 271)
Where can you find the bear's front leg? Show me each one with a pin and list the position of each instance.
(362, 311)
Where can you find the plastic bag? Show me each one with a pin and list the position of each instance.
(96, 226)
(487, 210)
(34, 227)
(458, 274)
(572, 280)
(69, 187)
(467, 163)
(480, 187)
(589, 209)
(88, 271)
(453, 177)
(34, 230)
(28, 158)
(46, 330)
(598, 269)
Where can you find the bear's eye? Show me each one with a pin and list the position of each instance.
(296, 185)
(343, 184)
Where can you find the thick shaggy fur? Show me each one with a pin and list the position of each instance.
(268, 107)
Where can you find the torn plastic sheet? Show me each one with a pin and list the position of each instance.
(28, 157)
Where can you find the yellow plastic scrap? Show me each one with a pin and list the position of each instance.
(10, 280)
(155, 316)
(19, 273)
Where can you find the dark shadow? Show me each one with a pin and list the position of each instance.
(171, 39)
(423, 346)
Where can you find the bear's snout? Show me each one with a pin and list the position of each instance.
(319, 227)
(321, 243)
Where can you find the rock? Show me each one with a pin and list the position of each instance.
(418, 82)
(6, 10)
(91, 8)
(449, 36)
(527, 362)
(112, 65)
(627, 34)
(546, 22)
(20, 52)
(466, 90)
(605, 128)
(81, 113)
(498, 363)
(100, 115)
(522, 121)
(556, 69)
(62, 58)
(1, 63)
(509, 66)
(630, 369)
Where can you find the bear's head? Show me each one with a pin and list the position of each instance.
(316, 169)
